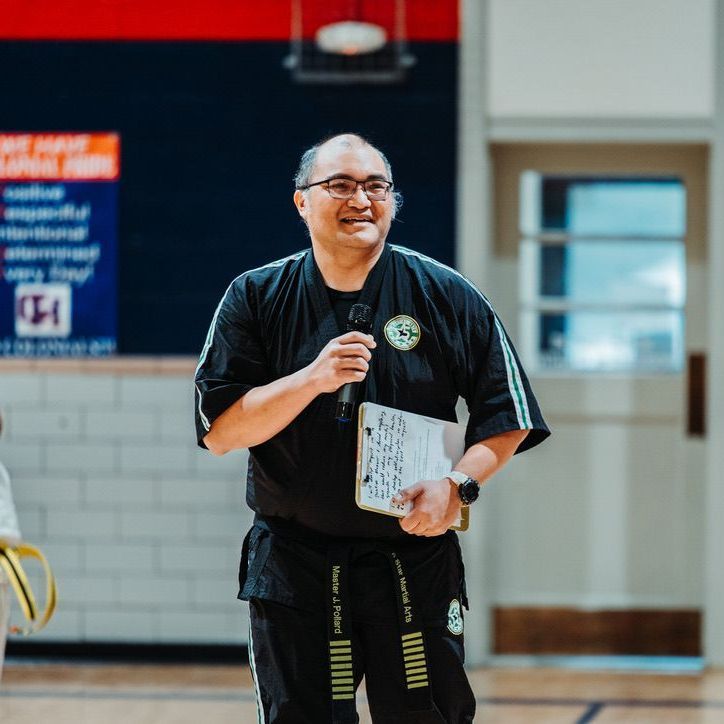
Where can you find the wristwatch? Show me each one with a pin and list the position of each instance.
(468, 488)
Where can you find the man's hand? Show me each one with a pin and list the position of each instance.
(344, 359)
(265, 410)
(436, 506)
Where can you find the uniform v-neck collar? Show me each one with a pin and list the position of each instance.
(369, 294)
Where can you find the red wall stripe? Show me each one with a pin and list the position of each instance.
(434, 20)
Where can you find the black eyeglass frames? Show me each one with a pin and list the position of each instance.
(346, 188)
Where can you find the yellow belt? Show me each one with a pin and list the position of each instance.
(10, 561)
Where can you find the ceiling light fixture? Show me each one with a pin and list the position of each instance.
(351, 37)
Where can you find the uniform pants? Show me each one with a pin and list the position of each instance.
(290, 659)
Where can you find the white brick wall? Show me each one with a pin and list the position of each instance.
(24, 457)
(143, 530)
(21, 388)
(111, 424)
(54, 424)
(80, 389)
(81, 457)
(114, 623)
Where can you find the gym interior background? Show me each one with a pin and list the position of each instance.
(519, 131)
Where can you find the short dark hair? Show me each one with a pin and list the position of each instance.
(309, 159)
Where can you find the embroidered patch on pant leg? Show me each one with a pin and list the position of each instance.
(455, 617)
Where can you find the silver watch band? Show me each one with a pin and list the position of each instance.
(457, 477)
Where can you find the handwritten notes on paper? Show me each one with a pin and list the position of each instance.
(385, 457)
(398, 449)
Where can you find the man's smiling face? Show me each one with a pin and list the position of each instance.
(356, 222)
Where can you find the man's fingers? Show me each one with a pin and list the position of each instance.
(353, 350)
(417, 526)
(410, 522)
(351, 363)
(407, 494)
(365, 339)
(349, 369)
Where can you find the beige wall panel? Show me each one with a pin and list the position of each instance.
(616, 58)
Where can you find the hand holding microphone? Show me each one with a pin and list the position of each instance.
(344, 361)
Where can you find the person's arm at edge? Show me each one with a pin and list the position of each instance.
(436, 503)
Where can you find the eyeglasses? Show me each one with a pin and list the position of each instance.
(346, 188)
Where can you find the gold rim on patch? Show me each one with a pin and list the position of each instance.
(403, 332)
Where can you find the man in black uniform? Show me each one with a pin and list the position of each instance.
(337, 593)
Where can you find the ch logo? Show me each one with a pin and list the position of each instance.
(36, 308)
(42, 310)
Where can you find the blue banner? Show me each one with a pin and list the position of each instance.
(58, 268)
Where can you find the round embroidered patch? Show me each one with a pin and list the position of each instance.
(455, 617)
(402, 332)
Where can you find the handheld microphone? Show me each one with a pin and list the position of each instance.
(359, 320)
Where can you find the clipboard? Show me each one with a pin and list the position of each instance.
(396, 449)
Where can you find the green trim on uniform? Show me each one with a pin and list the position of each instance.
(514, 376)
(260, 716)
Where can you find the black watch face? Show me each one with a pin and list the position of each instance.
(469, 492)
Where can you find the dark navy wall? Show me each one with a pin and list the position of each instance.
(211, 134)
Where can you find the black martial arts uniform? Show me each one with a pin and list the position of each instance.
(437, 338)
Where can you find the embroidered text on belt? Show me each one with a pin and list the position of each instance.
(416, 675)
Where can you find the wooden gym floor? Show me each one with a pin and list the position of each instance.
(41, 693)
